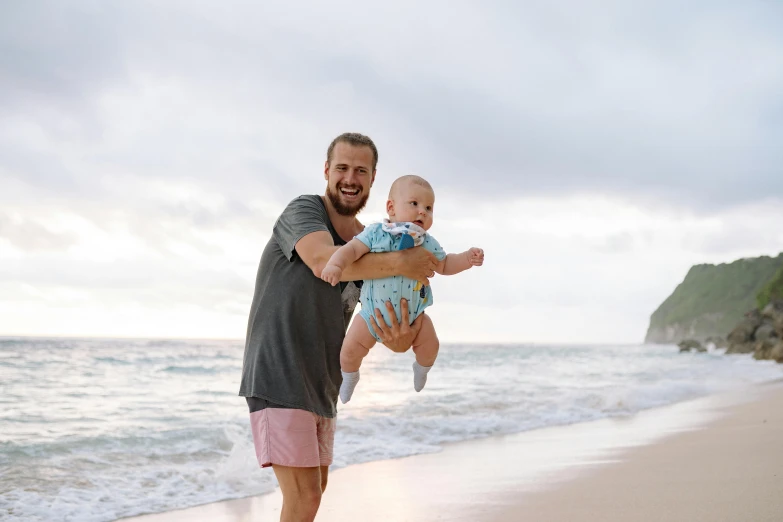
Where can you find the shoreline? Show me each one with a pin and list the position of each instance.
(729, 470)
(510, 477)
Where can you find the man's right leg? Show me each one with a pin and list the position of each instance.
(302, 489)
(357, 344)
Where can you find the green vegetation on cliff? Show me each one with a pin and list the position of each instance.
(712, 299)
(772, 290)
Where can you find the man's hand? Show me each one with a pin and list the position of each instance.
(417, 263)
(396, 337)
(475, 256)
(331, 274)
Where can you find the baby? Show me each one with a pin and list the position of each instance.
(410, 209)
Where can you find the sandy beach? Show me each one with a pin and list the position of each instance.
(729, 470)
(715, 459)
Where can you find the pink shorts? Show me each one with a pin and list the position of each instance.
(290, 437)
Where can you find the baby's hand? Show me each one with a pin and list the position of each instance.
(475, 256)
(331, 274)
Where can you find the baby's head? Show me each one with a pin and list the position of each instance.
(412, 199)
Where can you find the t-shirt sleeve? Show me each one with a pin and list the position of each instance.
(431, 244)
(301, 217)
(369, 236)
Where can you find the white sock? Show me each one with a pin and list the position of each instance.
(419, 376)
(349, 383)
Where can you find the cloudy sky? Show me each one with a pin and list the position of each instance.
(595, 150)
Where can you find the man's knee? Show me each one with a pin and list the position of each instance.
(306, 501)
(311, 497)
(301, 488)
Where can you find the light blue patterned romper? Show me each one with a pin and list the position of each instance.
(375, 292)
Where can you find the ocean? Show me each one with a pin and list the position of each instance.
(94, 429)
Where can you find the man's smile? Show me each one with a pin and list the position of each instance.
(350, 192)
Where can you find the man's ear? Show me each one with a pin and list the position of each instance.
(373, 177)
(326, 171)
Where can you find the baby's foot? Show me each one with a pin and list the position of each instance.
(419, 376)
(349, 383)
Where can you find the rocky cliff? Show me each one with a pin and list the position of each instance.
(760, 333)
(712, 299)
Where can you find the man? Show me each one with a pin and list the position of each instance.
(291, 371)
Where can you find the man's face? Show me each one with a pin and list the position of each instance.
(349, 177)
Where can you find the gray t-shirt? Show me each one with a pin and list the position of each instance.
(297, 321)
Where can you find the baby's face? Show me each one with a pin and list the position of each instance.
(413, 203)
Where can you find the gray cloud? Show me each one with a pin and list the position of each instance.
(143, 281)
(616, 243)
(741, 236)
(57, 50)
(171, 124)
(645, 100)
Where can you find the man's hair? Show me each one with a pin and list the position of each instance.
(357, 140)
(410, 178)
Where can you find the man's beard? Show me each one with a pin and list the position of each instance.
(345, 209)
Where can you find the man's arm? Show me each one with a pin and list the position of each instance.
(345, 256)
(414, 263)
(315, 250)
(348, 254)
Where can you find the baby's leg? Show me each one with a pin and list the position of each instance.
(425, 346)
(356, 345)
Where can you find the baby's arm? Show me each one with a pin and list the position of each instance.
(456, 263)
(343, 257)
